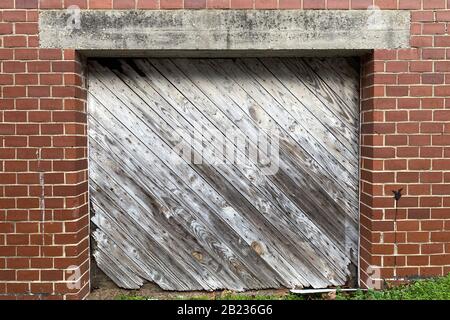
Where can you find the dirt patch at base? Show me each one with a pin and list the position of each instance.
(106, 289)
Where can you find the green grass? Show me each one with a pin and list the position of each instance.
(427, 289)
(131, 297)
(236, 296)
(222, 296)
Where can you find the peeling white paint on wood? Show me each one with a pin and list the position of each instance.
(204, 226)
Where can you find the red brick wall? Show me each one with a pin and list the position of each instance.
(406, 144)
(43, 165)
(44, 223)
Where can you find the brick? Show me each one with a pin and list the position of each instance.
(64, 66)
(26, 79)
(82, 4)
(410, 4)
(442, 115)
(431, 248)
(241, 4)
(286, 4)
(361, 4)
(147, 4)
(14, 288)
(383, 249)
(100, 4)
(440, 236)
(40, 287)
(38, 66)
(421, 66)
(51, 4)
(397, 91)
(434, 4)
(14, 41)
(421, 91)
(385, 4)
(440, 260)
(266, 4)
(440, 140)
(422, 41)
(408, 248)
(417, 260)
(443, 15)
(41, 263)
(433, 78)
(28, 275)
(52, 275)
(434, 28)
(50, 54)
(26, 28)
(218, 4)
(419, 140)
(395, 164)
(431, 127)
(6, 28)
(430, 152)
(38, 91)
(123, 4)
(171, 4)
(407, 177)
(313, 4)
(7, 4)
(422, 16)
(15, 16)
(51, 79)
(442, 41)
(433, 53)
(421, 213)
(431, 202)
(194, 4)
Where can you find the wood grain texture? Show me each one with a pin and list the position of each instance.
(210, 225)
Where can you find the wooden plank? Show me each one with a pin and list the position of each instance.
(336, 133)
(160, 217)
(223, 85)
(237, 199)
(297, 155)
(141, 171)
(341, 76)
(279, 201)
(127, 137)
(243, 226)
(341, 171)
(327, 96)
(307, 185)
(233, 226)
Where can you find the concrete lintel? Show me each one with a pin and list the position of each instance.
(238, 30)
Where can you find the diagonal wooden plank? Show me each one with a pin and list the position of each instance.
(340, 109)
(220, 230)
(259, 187)
(340, 75)
(160, 215)
(139, 168)
(222, 210)
(316, 151)
(238, 197)
(263, 103)
(150, 77)
(339, 135)
(314, 208)
(290, 274)
(142, 252)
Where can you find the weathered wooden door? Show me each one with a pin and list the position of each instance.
(288, 219)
